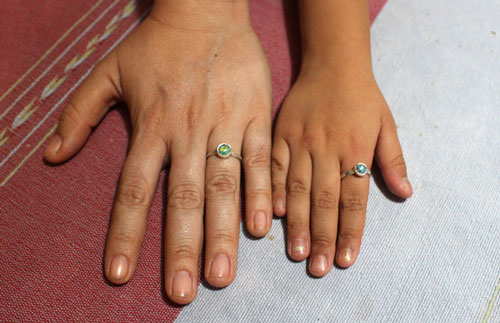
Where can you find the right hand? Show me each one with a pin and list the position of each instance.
(187, 90)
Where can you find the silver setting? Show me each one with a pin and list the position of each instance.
(219, 152)
(354, 171)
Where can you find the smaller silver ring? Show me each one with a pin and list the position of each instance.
(224, 151)
(360, 170)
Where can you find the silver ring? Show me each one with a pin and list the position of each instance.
(224, 151)
(359, 170)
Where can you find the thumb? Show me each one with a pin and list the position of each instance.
(390, 159)
(86, 108)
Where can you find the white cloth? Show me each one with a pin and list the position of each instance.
(435, 257)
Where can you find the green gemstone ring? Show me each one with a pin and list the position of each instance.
(224, 151)
(359, 170)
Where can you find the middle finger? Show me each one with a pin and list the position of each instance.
(324, 212)
(353, 200)
(222, 189)
(184, 221)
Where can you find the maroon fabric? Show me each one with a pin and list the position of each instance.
(54, 220)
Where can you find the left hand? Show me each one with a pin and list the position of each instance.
(189, 84)
(326, 126)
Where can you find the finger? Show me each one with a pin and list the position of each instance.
(279, 166)
(257, 169)
(298, 203)
(353, 200)
(222, 219)
(184, 221)
(324, 213)
(390, 159)
(86, 108)
(131, 207)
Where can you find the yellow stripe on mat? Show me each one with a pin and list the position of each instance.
(491, 303)
(50, 50)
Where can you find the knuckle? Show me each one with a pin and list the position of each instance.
(398, 162)
(278, 187)
(127, 239)
(291, 133)
(225, 237)
(314, 137)
(311, 139)
(350, 235)
(133, 192)
(325, 199)
(322, 240)
(151, 120)
(351, 202)
(258, 193)
(297, 188)
(221, 183)
(259, 160)
(185, 196)
(297, 225)
(184, 250)
(71, 114)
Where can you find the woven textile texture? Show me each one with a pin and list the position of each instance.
(433, 258)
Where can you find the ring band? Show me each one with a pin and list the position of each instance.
(359, 170)
(224, 151)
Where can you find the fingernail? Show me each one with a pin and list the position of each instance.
(220, 266)
(54, 145)
(346, 255)
(319, 264)
(259, 221)
(406, 186)
(298, 247)
(280, 205)
(118, 270)
(182, 284)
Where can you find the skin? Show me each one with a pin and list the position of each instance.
(193, 75)
(333, 117)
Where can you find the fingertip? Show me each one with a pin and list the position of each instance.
(279, 207)
(298, 248)
(63, 147)
(257, 232)
(398, 185)
(259, 222)
(118, 270)
(319, 265)
(182, 289)
(406, 187)
(219, 282)
(53, 148)
(220, 268)
(345, 257)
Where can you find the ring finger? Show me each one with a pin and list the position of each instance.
(222, 196)
(353, 200)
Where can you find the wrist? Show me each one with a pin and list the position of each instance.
(203, 15)
(337, 70)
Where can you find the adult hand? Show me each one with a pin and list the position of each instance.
(193, 75)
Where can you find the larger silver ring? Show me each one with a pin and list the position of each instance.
(224, 151)
(359, 170)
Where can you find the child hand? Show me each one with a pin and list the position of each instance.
(325, 127)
